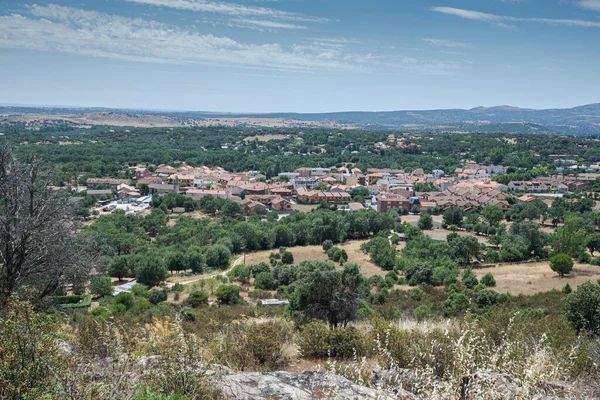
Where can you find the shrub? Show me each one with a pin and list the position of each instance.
(488, 280)
(228, 294)
(469, 279)
(486, 298)
(139, 290)
(327, 245)
(422, 312)
(567, 289)
(561, 264)
(101, 286)
(595, 261)
(260, 267)
(196, 299)
(418, 273)
(259, 294)
(582, 308)
(125, 298)
(265, 281)
(177, 288)
(584, 258)
(187, 314)
(156, 296)
(287, 257)
(314, 340)
(331, 252)
(416, 294)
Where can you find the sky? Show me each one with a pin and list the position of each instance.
(300, 55)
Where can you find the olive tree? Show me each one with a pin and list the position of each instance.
(38, 246)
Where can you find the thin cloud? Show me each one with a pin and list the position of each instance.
(501, 20)
(236, 10)
(259, 23)
(445, 43)
(590, 4)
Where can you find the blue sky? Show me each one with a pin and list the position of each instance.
(300, 55)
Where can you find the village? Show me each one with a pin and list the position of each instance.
(470, 188)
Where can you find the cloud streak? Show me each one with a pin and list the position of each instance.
(230, 9)
(445, 43)
(590, 4)
(502, 20)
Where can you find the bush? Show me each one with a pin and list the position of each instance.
(260, 267)
(177, 288)
(469, 279)
(156, 296)
(595, 261)
(419, 273)
(125, 298)
(101, 286)
(316, 340)
(416, 294)
(488, 280)
(582, 308)
(485, 298)
(561, 264)
(287, 257)
(259, 294)
(327, 245)
(584, 258)
(228, 294)
(422, 312)
(265, 281)
(139, 290)
(567, 289)
(331, 252)
(196, 299)
(187, 314)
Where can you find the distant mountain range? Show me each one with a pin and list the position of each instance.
(583, 120)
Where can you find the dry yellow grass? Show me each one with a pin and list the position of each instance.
(532, 278)
(306, 253)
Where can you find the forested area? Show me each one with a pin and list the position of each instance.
(106, 152)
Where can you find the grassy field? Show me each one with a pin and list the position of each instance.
(305, 253)
(532, 278)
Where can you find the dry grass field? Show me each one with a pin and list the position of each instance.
(304, 207)
(316, 253)
(532, 278)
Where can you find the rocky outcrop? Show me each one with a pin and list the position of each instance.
(297, 386)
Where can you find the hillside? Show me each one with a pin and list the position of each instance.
(583, 120)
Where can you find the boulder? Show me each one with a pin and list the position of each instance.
(297, 386)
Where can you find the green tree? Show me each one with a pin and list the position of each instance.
(156, 296)
(453, 216)
(287, 257)
(151, 271)
(492, 214)
(119, 267)
(570, 238)
(593, 243)
(425, 222)
(327, 295)
(469, 279)
(196, 299)
(488, 280)
(101, 286)
(265, 281)
(464, 249)
(561, 264)
(228, 294)
(218, 256)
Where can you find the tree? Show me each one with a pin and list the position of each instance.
(593, 243)
(265, 281)
(561, 264)
(469, 279)
(150, 271)
(535, 238)
(492, 214)
(218, 256)
(570, 238)
(38, 247)
(194, 260)
(582, 308)
(119, 267)
(287, 257)
(101, 286)
(464, 249)
(425, 222)
(453, 216)
(228, 294)
(327, 295)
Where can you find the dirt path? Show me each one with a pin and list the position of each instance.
(197, 278)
